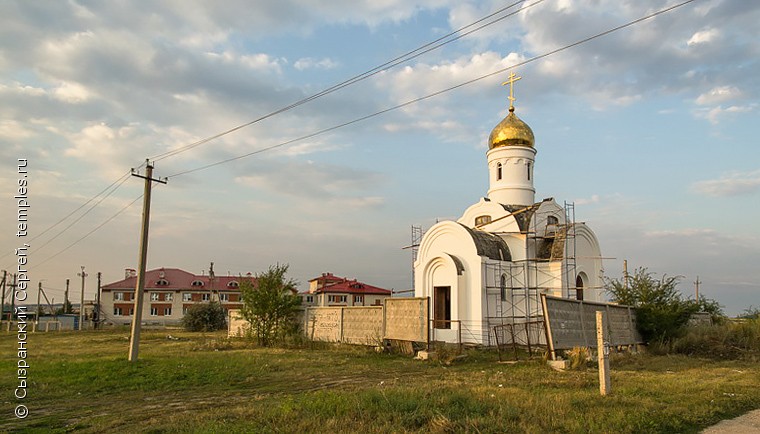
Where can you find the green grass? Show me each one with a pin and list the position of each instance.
(82, 382)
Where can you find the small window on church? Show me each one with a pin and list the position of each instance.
(498, 171)
(528, 171)
(482, 220)
(503, 287)
(552, 220)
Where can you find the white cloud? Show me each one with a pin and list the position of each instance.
(310, 63)
(732, 184)
(718, 95)
(703, 37)
(716, 113)
(73, 93)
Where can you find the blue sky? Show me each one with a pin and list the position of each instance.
(651, 131)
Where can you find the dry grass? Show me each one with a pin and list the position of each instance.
(204, 383)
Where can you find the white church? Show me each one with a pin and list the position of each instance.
(490, 266)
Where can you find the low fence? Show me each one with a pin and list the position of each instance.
(572, 323)
(398, 319)
(527, 335)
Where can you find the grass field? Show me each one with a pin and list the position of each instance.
(82, 382)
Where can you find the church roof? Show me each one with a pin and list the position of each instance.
(522, 214)
(490, 245)
(511, 131)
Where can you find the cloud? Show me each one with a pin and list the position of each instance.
(310, 63)
(730, 185)
(703, 37)
(718, 95)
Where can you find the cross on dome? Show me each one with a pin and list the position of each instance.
(512, 79)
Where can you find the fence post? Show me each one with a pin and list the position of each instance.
(603, 352)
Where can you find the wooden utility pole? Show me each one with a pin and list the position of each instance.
(81, 300)
(603, 353)
(66, 298)
(39, 290)
(134, 341)
(625, 272)
(96, 316)
(696, 288)
(13, 300)
(2, 302)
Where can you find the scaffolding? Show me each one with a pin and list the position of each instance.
(417, 234)
(513, 289)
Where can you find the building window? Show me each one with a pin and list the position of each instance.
(309, 298)
(153, 311)
(528, 171)
(224, 297)
(167, 311)
(197, 283)
(184, 310)
(498, 171)
(153, 296)
(482, 220)
(117, 311)
(168, 296)
(337, 298)
(162, 282)
(131, 311)
(233, 284)
(186, 296)
(118, 296)
(503, 287)
(358, 299)
(206, 297)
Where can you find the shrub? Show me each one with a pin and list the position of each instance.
(661, 313)
(730, 340)
(205, 318)
(270, 305)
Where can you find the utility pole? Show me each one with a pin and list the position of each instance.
(13, 300)
(66, 298)
(696, 288)
(2, 302)
(96, 316)
(81, 300)
(625, 272)
(134, 341)
(211, 282)
(39, 289)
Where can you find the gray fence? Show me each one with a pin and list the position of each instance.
(572, 323)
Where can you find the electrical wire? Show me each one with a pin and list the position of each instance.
(92, 231)
(443, 40)
(434, 94)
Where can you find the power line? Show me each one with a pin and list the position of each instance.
(92, 231)
(434, 94)
(123, 180)
(363, 76)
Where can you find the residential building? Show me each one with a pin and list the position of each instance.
(169, 293)
(331, 290)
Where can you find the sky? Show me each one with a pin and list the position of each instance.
(651, 131)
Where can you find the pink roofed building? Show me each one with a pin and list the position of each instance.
(169, 293)
(331, 290)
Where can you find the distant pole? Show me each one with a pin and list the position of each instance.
(39, 290)
(625, 272)
(696, 288)
(66, 298)
(603, 352)
(81, 300)
(96, 317)
(134, 342)
(2, 304)
(13, 300)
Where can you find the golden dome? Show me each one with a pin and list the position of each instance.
(511, 131)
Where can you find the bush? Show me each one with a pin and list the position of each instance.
(205, 318)
(661, 313)
(730, 340)
(270, 305)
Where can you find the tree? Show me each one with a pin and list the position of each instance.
(205, 318)
(661, 312)
(269, 304)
